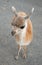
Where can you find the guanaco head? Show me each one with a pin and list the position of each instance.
(18, 22)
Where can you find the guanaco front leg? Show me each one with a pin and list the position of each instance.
(25, 51)
(19, 48)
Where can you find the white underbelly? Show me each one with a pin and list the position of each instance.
(22, 42)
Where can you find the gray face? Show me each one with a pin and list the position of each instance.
(18, 21)
(18, 24)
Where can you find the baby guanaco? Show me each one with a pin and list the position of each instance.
(22, 30)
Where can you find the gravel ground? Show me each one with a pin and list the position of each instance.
(8, 46)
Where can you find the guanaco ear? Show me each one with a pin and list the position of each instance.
(29, 15)
(14, 11)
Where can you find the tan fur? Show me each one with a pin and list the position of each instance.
(18, 46)
(28, 34)
(29, 31)
(13, 18)
(17, 38)
(20, 20)
(22, 14)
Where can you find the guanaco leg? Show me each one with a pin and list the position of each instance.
(19, 48)
(25, 51)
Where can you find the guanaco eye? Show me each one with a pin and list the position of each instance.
(22, 27)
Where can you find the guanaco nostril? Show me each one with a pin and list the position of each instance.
(13, 33)
(12, 24)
